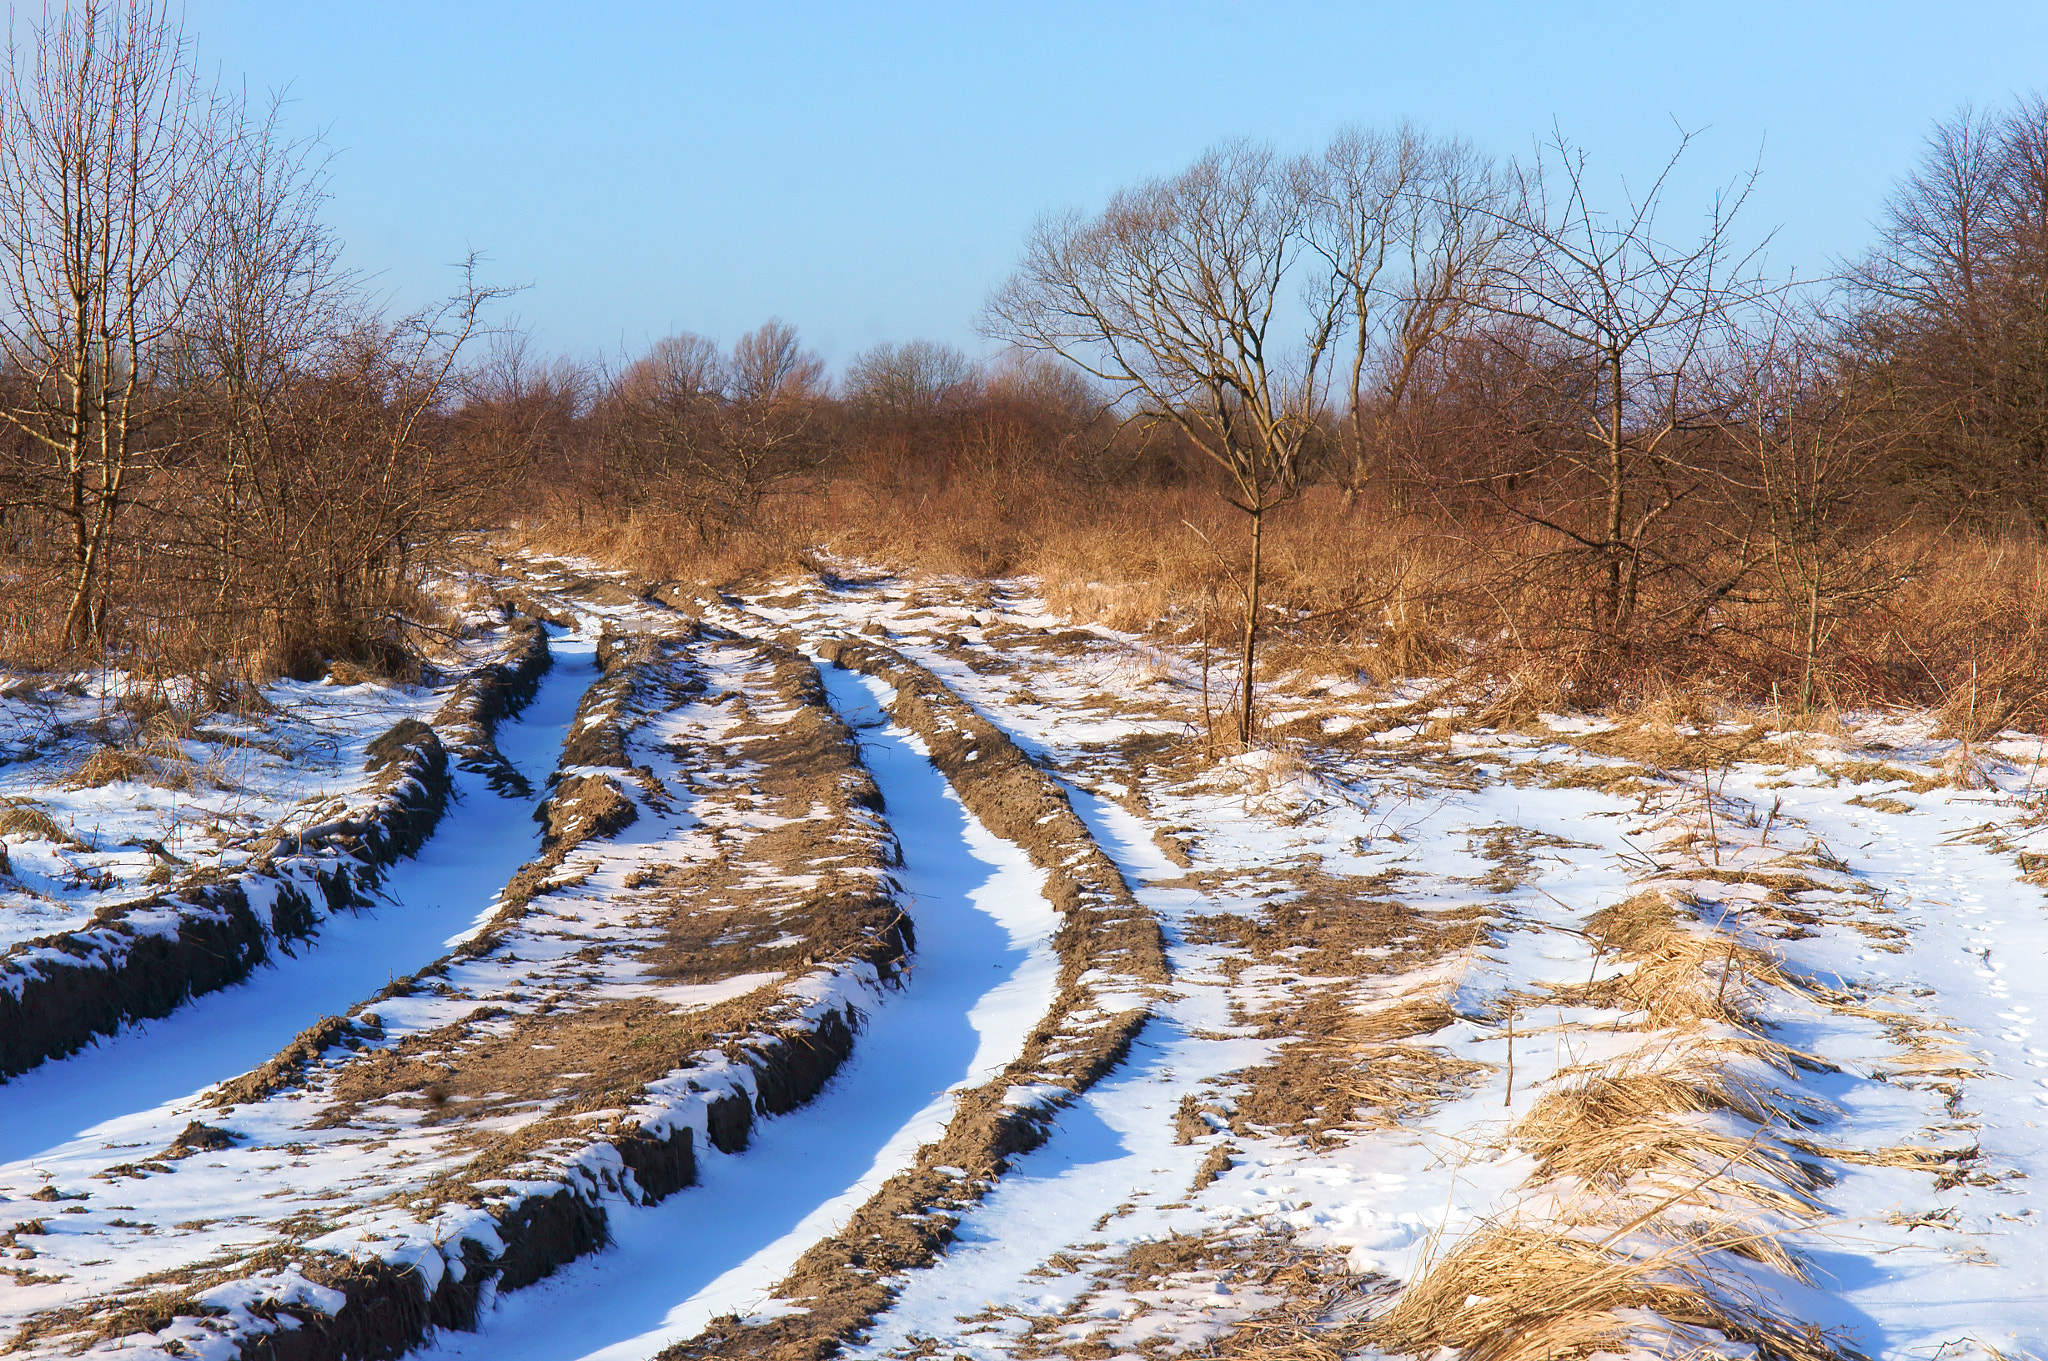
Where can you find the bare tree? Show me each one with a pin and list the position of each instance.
(771, 364)
(1621, 326)
(917, 378)
(362, 454)
(1179, 296)
(1954, 315)
(1812, 446)
(677, 372)
(1407, 225)
(719, 434)
(105, 140)
(267, 297)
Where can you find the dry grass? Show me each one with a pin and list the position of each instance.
(1659, 1175)
(1612, 1127)
(1387, 593)
(1683, 977)
(158, 758)
(1512, 1292)
(109, 765)
(20, 817)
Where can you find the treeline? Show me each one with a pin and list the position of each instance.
(1395, 404)
(1436, 412)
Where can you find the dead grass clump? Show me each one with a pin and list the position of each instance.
(1661, 737)
(1513, 1293)
(1919, 1157)
(109, 765)
(158, 759)
(1682, 977)
(1610, 1128)
(1512, 849)
(19, 817)
(1129, 607)
(1876, 772)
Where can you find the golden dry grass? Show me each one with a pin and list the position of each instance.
(1556, 1292)
(19, 817)
(109, 765)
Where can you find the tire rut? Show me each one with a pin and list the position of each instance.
(711, 900)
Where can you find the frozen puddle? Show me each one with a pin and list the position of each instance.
(119, 1091)
(983, 974)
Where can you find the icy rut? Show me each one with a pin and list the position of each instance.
(711, 899)
(1899, 940)
(982, 975)
(131, 1086)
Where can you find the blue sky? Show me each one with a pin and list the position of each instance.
(868, 171)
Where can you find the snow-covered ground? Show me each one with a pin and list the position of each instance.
(1919, 928)
(984, 973)
(191, 802)
(1408, 953)
(140, 1085)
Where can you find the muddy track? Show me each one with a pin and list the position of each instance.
(142, 960)
(1112, 962)
(631, 1084)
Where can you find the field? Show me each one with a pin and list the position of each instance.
(885, 965)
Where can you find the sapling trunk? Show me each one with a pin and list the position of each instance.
(1812, 645)
(1251, 634)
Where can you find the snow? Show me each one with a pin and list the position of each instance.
(1918, 979)
(133, 1086)
(1906, 1267)
(246, 778)
(983, 973)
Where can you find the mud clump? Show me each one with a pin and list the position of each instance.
(584, 808)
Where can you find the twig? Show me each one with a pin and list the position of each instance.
(1509, 1099)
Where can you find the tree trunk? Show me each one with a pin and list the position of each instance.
(1617, 488)
(1251, 633)
(1812, 644)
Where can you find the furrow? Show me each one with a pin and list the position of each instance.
(711, 910)
(1112, 970)
(144, 959)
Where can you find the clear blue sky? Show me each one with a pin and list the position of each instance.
(869, 171)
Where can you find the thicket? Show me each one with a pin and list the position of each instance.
(1491, 431)
(1395, 405)
(217, 458)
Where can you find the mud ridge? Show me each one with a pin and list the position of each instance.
(521, 1222)
(1112, 960)
(142, 960)
(469, 718)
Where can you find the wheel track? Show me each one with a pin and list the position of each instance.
(143, 960)
(1112, 967)
(773, 1054)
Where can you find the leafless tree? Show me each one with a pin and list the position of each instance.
(718, 434)
(677, 371)
(1407, 225)
(771, 364)
(1954, 315)
(917, 378)
(1812, 447)
(1180, 296)
(106, 137)
(1621, 325)
(267, 297)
